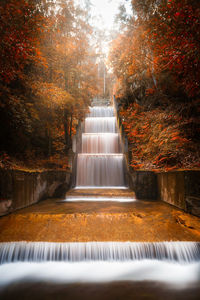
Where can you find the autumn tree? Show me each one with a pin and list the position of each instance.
(155, 60)
(47, 74)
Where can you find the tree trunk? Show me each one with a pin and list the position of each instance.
(67, 126)
(49, 142)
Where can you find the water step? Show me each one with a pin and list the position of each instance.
(98, 192)
(182, 252)
(97, 198)
(100, 143)
(101, 111)
(100, 170)
(100, 124)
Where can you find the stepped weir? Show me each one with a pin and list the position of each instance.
(182, 252)
(101, 162)
(100, 169)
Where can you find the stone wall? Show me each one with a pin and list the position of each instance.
(19, 189)
(181, 189)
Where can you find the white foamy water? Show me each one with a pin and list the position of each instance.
(176, 263)
(97, 198)
(101, 111)
(100, 124)
(101, 163)
(86, 272)
(100, 170)
(182, 252)
(100, 143)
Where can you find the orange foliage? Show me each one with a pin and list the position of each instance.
(47, 74)
(156, 140)
(161, 41)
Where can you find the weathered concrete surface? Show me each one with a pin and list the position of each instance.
(20, 189)
(99, 221)
(181, 189)
(144, 184)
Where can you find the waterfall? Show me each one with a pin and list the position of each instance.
(101, 163)
(101, 111)
(182, 252)
(100, 124)
(100, 143)
(108, 170)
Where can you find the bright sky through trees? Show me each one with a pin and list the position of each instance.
(105, 12)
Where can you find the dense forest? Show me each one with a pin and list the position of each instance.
(156, 63)
(49, 74)
(47, 78)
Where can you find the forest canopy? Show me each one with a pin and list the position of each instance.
(156, 62)
(47, 75)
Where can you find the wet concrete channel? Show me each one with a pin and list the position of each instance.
(140, 220)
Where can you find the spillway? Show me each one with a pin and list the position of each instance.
(100, 170)
(174, 263)
(100, 143)
(100, 124)
(101, 162)
(181, 252)
(101, 111)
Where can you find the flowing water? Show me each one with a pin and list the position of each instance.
(85, 270)
(100, 143)
(100, 270)
(182, 252)
(101, 163)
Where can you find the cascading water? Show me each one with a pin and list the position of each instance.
(101, 111)
(101, 163)
(182, 252)
(175, 263)
(100, 143)
(100, 170)
(100, 124)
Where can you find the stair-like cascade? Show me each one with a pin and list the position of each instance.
(101, 163)
(100, 143)
(100, 170)
(176, 263)
(100, 124)
(182, 252)
(101, 111)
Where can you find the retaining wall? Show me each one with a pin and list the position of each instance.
(178, 188)
(19, 189)
(181, 189)
(144, 184)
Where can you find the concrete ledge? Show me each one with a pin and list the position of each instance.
(181, 189)
(20, 189)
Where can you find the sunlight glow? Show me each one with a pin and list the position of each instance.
(104, 11)
(103, 14)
